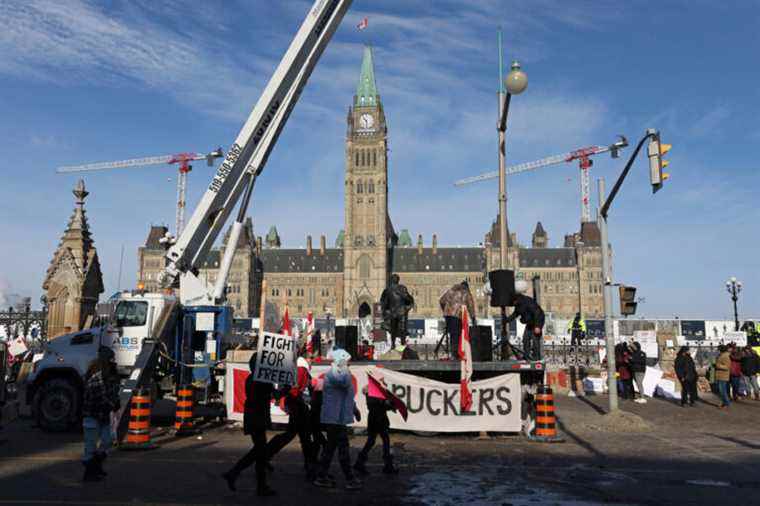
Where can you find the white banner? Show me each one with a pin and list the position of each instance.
(276, 359)
(433, 405)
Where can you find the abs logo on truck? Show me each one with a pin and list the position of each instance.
(126, 343)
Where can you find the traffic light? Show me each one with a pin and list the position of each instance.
(627, 300)
(656, 163)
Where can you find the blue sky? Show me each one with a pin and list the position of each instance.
(84, 81)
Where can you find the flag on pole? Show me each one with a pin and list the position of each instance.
(310, 333)
(286, 323)
(465, 357)
(363, 24)
(377, 388)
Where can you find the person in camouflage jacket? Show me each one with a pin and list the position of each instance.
(101, 398)
(452, 302)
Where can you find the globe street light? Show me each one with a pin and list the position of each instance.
(734, 287)
(517, 80)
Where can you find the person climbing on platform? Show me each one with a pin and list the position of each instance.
(532, 316)
(379, 402)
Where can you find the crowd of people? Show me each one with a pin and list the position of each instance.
(320, 411)
(631, 365)
(734, 374)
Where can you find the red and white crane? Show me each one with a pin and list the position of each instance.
(182, 159)
(583, 155)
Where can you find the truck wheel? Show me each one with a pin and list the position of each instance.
(56, 405)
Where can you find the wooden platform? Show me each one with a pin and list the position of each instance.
(451, 366)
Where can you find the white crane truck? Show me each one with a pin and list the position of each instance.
(154, 334)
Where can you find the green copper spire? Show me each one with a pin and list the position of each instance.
(366, 91)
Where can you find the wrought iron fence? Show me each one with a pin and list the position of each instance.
(25, 323)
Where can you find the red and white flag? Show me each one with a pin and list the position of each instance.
(377, 388)
(363, 25)
(310, 333)
(465, 357)
(286, 323)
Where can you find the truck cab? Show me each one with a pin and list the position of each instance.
(56, 384)
(136, 317)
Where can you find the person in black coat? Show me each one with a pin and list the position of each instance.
(256, 420)
(638, 366)
(687, 375)
(532, 316)
(377, 425)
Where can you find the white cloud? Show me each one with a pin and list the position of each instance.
(710, 121)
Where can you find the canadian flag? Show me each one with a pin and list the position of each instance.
(286, 323)
(465, 357)
(363, 24)
(309, 333)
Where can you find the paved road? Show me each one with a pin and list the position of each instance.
(690, 456)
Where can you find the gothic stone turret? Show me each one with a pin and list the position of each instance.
(73, 282)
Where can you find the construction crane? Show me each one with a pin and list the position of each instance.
(182, 159)
(583, 155)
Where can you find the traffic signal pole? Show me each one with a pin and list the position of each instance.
(609, 331)
(604, 207)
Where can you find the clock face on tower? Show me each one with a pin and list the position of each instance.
(366, 121)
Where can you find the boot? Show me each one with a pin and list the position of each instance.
(265, 491)
(99, 458)
(90, 471)
(360, 467)
(262, 489)
(230, 477)
(389, 468)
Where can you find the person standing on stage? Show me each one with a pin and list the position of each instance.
(256, 420)
(532, 316)
(451, 303)
(396, 302)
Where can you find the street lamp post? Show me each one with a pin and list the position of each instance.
(734, 287)
(514, 84)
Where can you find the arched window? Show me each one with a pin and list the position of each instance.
(359, 187)
(371, 187)
(364, 266)
(364, 157)
(374, 158)
(357, 158)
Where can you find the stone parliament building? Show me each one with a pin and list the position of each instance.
(339, 280)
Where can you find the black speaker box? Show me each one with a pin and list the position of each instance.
(482, 343)
(347, 338)
(502, 287)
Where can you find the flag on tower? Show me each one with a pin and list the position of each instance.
(465, 357)
(363, 24)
